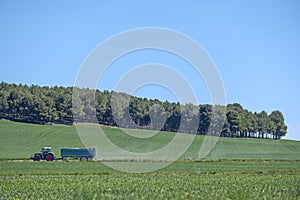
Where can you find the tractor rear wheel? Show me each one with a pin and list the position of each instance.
(50, 157)
(36, 158)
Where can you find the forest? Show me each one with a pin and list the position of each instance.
(54, 105)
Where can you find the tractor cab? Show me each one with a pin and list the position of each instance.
(46, 150)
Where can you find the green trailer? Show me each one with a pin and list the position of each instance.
(78, 153)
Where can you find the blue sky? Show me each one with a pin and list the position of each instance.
(255, 45)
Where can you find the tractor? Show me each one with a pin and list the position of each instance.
(45, 154)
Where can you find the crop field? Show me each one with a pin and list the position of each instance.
(181, 180)
(235, 169)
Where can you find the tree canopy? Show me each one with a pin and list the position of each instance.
(36, 104)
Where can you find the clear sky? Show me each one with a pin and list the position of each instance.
(255, 45)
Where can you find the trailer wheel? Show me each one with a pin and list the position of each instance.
(50, 157)
(36, 158)
(83, 158)
(65, 158)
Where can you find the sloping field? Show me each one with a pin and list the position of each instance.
(19, 141)
(249, 177)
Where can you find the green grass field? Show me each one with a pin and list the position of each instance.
(19, 141)
(235, 169)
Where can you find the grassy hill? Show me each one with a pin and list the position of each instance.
(20, 140)
(221, 179)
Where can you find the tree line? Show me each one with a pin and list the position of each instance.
(46, 105)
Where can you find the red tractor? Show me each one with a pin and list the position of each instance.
(45, 154)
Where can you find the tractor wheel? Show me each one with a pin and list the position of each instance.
(36, 158)
(50, 157)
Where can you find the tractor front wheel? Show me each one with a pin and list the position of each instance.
(36, 158)
(50, 157)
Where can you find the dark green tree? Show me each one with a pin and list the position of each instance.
(279, 127)
(262, 123)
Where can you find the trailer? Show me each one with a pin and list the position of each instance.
(78, 153)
